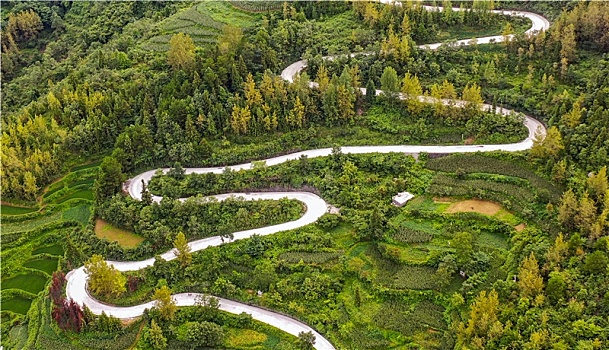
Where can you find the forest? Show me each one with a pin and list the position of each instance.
(496, 250)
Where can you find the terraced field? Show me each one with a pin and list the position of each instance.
(33, 238)
(203, 22)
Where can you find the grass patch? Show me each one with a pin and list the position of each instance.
(474, 205)
(16, 304)
(124, 238)
(244, 338)
(224, 12)
(12, 210)
(425, 203)
(51, 249)
(27, 282)
(79, 214)
(47, 265)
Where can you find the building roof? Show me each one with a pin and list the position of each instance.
(402, 197)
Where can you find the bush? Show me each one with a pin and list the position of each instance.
(328, 221)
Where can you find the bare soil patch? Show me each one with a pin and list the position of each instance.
(520, 227)
(474, 205)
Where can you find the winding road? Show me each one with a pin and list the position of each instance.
(315, 206)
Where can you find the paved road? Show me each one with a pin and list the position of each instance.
(315, 206)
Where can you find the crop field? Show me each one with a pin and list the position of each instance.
(55, 249)
(308, 257)
(79, 214)
(477, 163)
(28, 282)
(30, 224)
(16, 304)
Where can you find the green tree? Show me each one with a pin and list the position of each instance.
(390, 84)
(104, 279)
(306, 340)
(182, 248)
(370, 93)
(181, 53)
(109, 179)
(201, 334)
(165, 303)
(446, 270)
(377, 223)
(463, 243)
(556, 287)
(596, 263)
(146, 195)
(154, 336)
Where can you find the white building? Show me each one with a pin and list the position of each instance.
(401, 198)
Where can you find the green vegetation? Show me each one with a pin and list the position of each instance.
(83, 81)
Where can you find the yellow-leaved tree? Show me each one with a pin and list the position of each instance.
(181, 53)
(104, 279)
